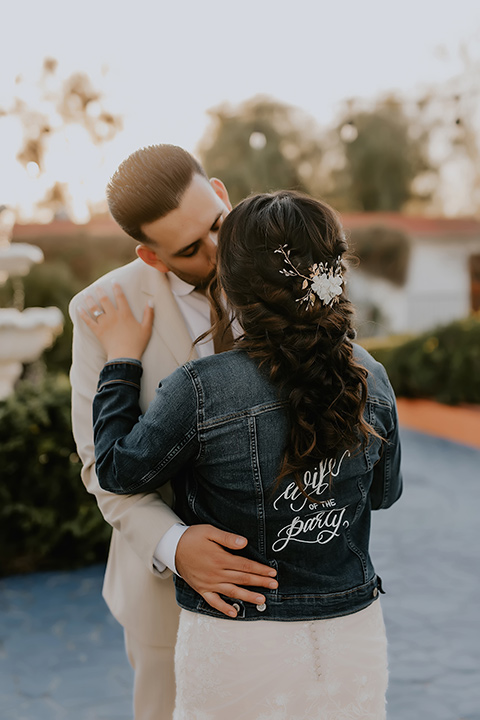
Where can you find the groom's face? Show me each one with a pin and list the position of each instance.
(185, 240)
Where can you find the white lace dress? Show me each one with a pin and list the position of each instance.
(313, 670)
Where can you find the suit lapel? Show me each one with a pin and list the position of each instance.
(168, 323)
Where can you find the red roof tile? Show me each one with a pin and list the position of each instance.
(414, 225)
(100, 225)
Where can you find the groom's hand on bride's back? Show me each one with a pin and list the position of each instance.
(204, 563)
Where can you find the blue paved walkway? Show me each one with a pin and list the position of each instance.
(61, 654)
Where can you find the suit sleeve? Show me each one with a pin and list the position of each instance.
(142, 519)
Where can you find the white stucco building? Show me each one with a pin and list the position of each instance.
(442, 280)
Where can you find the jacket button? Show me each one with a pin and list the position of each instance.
(375, 592)
(236, 606)
(262, 607)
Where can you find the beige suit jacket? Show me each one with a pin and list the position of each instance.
(139, 597)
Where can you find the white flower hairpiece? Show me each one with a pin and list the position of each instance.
(325, 281)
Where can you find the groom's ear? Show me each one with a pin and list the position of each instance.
(150, 258)
(221, 191)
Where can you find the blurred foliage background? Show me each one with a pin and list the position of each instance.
(47, 520)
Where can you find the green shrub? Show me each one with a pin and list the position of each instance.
(47, 518)
(54, 284)
(443, 364)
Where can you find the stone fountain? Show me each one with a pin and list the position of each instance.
(24, 334)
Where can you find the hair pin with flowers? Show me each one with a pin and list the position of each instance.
(325, 281)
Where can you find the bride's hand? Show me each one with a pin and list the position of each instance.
(115, 326)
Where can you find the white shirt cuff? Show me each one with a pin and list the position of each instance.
(164, 555)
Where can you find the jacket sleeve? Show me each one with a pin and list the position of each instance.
(141, 519)
(387, 481)
(137, 453)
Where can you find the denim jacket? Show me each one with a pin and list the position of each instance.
(217, 428)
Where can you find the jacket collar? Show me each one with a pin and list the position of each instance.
(179, 287)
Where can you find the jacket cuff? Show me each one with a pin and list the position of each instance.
(126, 371)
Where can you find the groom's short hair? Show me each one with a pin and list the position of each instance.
(149, 184)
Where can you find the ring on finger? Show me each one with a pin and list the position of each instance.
(97, 313)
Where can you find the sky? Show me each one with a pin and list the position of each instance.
(162, 65)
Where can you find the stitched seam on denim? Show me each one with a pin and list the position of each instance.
(356, 551)
(373, 400)
(192, 495)
(165, 461)
(386, 485)
(201, 603)
(242, 414)
(197, 386)
(366, 454)
(260, 499)
(118, 382)
(344, 593)
(361, 503)
(122, 362)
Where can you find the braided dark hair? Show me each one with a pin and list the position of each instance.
(305, 349)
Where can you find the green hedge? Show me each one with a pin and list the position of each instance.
(443, 364)
(47, 518)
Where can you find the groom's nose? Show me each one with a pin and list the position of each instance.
(211, 248)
